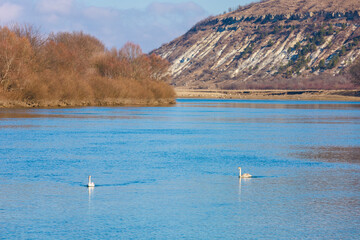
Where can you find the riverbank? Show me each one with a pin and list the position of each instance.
(326, 95)
(95, 103)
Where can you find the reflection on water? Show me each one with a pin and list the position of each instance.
(158, 168)
(329, 154)
(90, 191)
(11, 114)
(18, 126)
(269, 104)
(125, 183)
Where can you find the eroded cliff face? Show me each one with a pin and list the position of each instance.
(245, 48)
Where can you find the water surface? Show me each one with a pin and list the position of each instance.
(171, 172)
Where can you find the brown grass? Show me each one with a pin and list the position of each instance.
(327, 95)
(298, 6)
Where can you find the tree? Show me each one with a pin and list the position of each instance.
(108, 65)
(159, 68)
(322, 64)
(74, 49)
(342, 51)
(31, 33)
(130, 52)
(15, 58)
(76, 68)
(330, 30)
(78, 41)
(333, 62)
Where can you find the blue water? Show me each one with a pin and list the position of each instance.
(171, 172)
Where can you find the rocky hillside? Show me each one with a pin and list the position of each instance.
(271, 44)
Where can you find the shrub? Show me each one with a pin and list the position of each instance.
(333, 61)
(74, 67)
(270, 43)
(16, 57)
(322, 64)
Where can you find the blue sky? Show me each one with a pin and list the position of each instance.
(148, 23)
(211, 6)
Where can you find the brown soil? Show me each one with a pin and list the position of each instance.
(335, 95)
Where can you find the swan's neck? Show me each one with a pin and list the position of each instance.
(239, 172)
(89, 179)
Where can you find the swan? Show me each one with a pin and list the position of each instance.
(245, 175)
(90, 183)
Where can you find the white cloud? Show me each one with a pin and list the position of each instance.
(150, 27)
(9, 12)
(56, 6)
(160, 22)
(99, 13)
(166, 8)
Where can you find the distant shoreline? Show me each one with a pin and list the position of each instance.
(95, 103)
(324, 95)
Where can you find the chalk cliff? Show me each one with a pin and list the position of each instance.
(270, 44)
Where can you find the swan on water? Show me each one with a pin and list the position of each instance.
(90, 183)
(245, 175)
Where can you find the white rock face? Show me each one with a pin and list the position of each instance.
(228, 49)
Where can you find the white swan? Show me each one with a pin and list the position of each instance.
(90, 183)
(245, 175)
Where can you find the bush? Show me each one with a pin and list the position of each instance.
(322, 64)
(333, 61)
(75, 67)
(270, 43)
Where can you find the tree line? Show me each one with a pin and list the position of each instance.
(76, 67)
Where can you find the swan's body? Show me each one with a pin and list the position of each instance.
(245, 175)
(90, 183)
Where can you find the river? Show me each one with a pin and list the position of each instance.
(172, 172)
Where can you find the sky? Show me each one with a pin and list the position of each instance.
(148, 23)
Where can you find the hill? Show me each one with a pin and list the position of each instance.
(283, 44)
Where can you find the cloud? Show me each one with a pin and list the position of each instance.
(99, 13)
(150, 27)
(169, 13)
(55, 6)
(168, 8)
(160, 22)
(9, 12)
